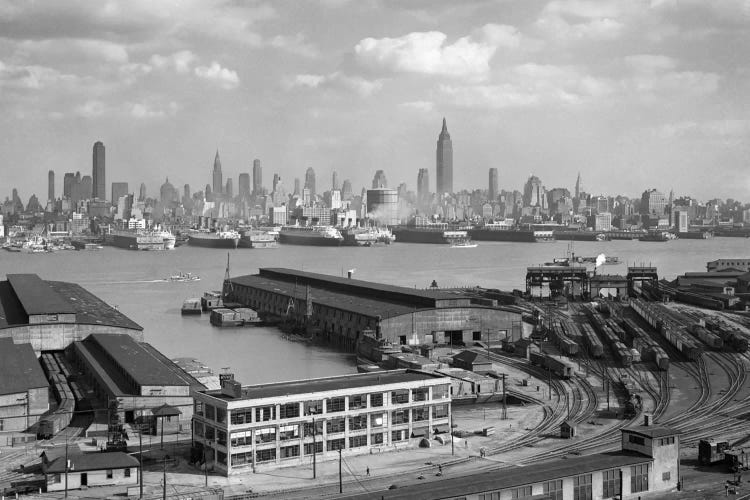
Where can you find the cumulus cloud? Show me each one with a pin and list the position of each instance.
(296, 44)
(583, 19)
(179, 61)
(428, 53)
(725, 130)
(145, 110)
(657, 75)
(336, 80)
(224, 77)
(72, 49)
(34, 77)
(424, 106)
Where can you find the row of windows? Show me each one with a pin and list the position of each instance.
(582, 485)
(666, 441)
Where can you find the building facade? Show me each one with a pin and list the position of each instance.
(119, 189)
(217, 185)
(283, 424)
(444, 162)
(99, 186)
(257, 177)
(493, 183)
(51, 185)
(310, 182)
(243, 186)
(382, 206)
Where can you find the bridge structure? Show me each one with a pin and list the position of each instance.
(571, 281)
(606, 282)
(639, 274)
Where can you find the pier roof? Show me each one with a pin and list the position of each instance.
(461, 486)
(37, 297)
(19, 368)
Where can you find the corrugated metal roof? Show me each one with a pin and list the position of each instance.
(93, 461)
(19, 368)
(37, 297)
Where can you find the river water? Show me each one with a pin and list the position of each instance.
(125, 279)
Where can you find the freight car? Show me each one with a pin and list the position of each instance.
(708, 338)
(737, 459)
(667, 328)
(731, 336)
(649, 349)
(711, 451)
(566, 345)
(591, 341)
(560, 367)
(699, 300)
(572, 331)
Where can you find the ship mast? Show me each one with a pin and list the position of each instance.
(227, 285)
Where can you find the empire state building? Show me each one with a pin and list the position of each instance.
(444, 162)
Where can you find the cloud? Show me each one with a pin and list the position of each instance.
(649, 63)
(583, 20)
(428, 53)
(294, 44)
(179, 61)
(725, 130)
(34, 77)
(424, 106)
(224, 77)
(336, 80)
(72, 50)
(654, 75)
(95, 108)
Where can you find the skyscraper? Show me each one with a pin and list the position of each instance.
(217, 184)
(310, 182)
(444, 162)
(335, 181)
(493, 185)
(533, 192)
(346, 190)
(142, 192)
(229, 190)
(98, 186)
(276, 179)
(119, 189)
(379, 181)
(578, 186)
(243, 186)
(257, 177)
(423, 185)
(51, 185)
(68, 181)
(297, 190)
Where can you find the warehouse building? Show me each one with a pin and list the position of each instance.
(50, 315)
(239, 429)
(23, 387)
(341, 309)
(135, 375)
(648, 464)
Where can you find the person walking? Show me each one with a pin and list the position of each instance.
(368, 471)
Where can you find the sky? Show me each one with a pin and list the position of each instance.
(632, 94)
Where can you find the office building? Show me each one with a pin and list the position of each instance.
(379, 180)
(243, 186)
(51, 185)
(533, 192)
(444, 162)
(423, 186)
(262, 427)
(335, 181)
(119, 189)
(492, 189)
(68, 181)
(229, 189)
(257, 177)
(382, 206)
(217, 176)
(310, 182)
(653, 202)
(99, 186)
(346, 190)
(681, 220)
(603, 221)
(142, 192)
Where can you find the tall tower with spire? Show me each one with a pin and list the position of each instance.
(578, 186)
(217, 184)
(444, 162)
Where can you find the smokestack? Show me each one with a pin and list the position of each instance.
(378, 331)
(648, 419)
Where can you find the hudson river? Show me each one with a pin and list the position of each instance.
(124, 279)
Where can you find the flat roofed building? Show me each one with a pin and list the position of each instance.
(50, 315)
(271, 425)
(343, 308)
(88, 469)
(23, 387)
(728, 264)
(628, 473)
(135, 375)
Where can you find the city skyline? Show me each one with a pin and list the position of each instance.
(633, 95)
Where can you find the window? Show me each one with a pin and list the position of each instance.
(210, 412)
(335, 425)
(554, 489)
(400, 396)
(636, 440)
(221, 457)
(265, 435)
(666, 476)
(334, 405)
(398, 436)
(127, 472)
(400, 417)
(289, 451)
(522, 492)
(336, 444)
(210, 433)
(376, 399)
(582, 487)
(495, 495)
(610, 483)
(378, 419)
(265, 413)
(440, 392)
(221, 437)
(241, 438)
(357, 441)
(309, 428)
(198, 428)
(287, 432)
(265, 455)
(56, 478)
(109, 473)
(289, 410)
(313, 407)
(440, 411)
(309, 448)
(241, 458)
(358, 422)
(357, 401)
(221, 415)
(240, 417)
(666, 441)
(420, 414)
(376, 438)
(198, 410)
(420, 394)
(638, 478)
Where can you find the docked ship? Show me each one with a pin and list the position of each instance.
(504, 232)
(431, 232)
(222, 239)
(140, 240)
(657, 236)
(310, 235)
(367, 236)
(254, 238)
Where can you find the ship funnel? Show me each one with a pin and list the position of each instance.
(378, 331)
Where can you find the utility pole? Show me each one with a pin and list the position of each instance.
(205, 466)
(164, 480)
(549, 382)
(505, 407)
(140, 459)
(66, 467)
(341, 484)
(450, 433)
(315, 447)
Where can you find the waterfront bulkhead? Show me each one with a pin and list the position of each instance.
(343, 308)
(240, 429)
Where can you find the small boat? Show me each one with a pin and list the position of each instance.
(191, 306)
(463, 244)
(183, 277)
